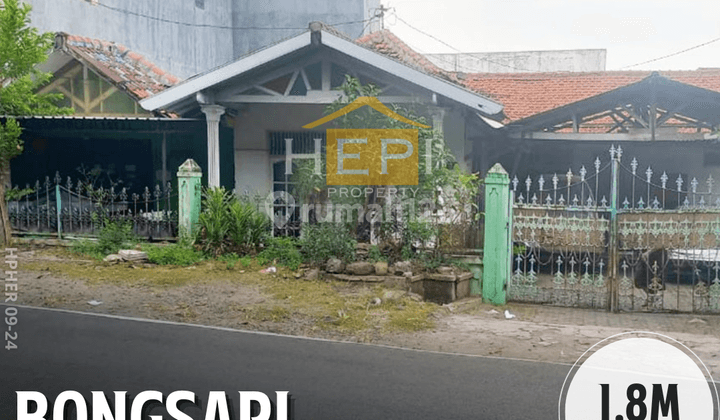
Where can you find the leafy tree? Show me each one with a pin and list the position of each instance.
(21, 49)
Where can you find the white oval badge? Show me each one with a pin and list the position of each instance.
(639, 376)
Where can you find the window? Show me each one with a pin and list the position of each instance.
(303, 142)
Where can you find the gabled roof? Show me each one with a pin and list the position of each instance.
(526, 94)
(655, 90)
(319, 35)
(123, 68)
(386, 43)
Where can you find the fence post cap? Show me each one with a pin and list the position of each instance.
(189, 168)
(497, 174)
(497, 169)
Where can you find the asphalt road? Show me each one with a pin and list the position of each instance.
(60, 351)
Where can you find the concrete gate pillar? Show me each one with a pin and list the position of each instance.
(497, 253)
(189, 197)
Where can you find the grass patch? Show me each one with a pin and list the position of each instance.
(334, 306)
(413, 317)
(133, 276)
(173, 254)
(260, 313)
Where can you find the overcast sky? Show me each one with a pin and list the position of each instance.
(632, 31)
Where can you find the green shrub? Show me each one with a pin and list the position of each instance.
(230, 259)
(282, 251)
(174, 254)
(116, 235)
(374, 254)
(214, 221)
(227, 223)
(416, 234)
(112, 237)
(245, 262)
(323, 241)
(248, 226)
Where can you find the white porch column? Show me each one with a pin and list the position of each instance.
(212, 116)
(438, 120)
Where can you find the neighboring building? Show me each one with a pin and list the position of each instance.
(543, 109)
(187, 37)
(522, 61)
(109, 137)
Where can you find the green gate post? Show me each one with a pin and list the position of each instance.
(189, 189)
(476, 268)
(497, 254)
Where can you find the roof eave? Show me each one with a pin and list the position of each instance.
(184, 94)
(456, 93)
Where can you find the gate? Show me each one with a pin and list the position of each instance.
(575, 244)
(80, 208)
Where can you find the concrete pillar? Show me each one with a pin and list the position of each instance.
(438, 120)
(189, 196)
(212, 116)
(497, 253)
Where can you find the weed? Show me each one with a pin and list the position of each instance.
(245, 262)
(326, 240)
(214, 221)
(227, 223)
(282, 251)
(113, 236)
(174, 254)
(374, 254)
(248, 226)
(230, 259)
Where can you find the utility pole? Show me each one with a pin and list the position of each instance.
(380, 13)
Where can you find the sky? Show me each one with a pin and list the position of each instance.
(632, 31)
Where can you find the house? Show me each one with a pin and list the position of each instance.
(109, 139)
(271, 94)
(555, 122)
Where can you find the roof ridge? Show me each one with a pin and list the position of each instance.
(82, 46)
(390, 45)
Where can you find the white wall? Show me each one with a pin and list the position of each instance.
(519, 61)
(252, 155)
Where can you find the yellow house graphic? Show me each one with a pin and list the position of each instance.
(371, 156)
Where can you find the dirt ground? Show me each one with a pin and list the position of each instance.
(468, 326)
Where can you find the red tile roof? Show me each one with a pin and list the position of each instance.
(526, 94)
(386, 43)
(123, 68)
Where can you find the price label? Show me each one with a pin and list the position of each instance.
(639, 376)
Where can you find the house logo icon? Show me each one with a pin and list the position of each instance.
(370, 156)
